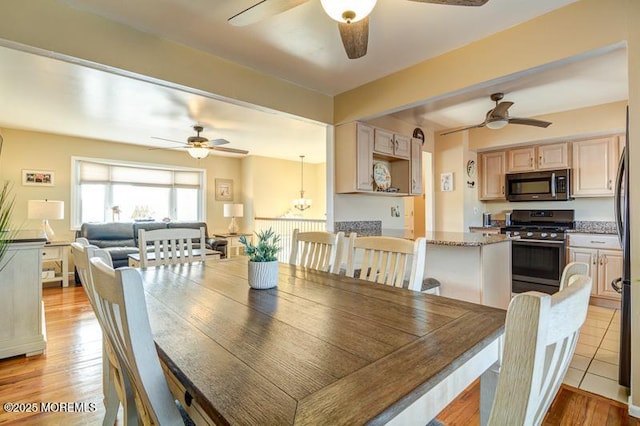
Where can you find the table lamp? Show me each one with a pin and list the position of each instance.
(233, 211)
(46, 210)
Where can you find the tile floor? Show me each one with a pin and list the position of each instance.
(594, 366)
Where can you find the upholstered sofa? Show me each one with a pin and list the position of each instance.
(120, 239)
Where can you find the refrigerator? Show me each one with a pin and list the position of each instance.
(623, 284)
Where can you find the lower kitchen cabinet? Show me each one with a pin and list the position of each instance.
(605, 264)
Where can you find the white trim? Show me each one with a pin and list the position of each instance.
(330, 176)
(634, 410)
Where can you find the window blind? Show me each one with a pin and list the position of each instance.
(93, 172)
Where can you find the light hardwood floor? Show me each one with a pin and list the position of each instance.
(70, 372)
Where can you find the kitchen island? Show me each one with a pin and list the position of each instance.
(472, 267)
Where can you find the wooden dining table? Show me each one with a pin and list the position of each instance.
(319, 348)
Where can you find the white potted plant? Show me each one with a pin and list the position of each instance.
(263, 263)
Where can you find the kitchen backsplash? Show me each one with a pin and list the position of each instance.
(364, 228)
(595, 226)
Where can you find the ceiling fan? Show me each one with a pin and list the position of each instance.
(352, 17)
(199, 147)
(498, 117)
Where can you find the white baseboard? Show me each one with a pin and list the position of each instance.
(634, 410)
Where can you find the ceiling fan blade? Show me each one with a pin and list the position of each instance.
(501, 109)
(529, 122)
(218, 142)
(355, 37)
(231, 150)
(178, 147)
(168, 140)
(463, 128)
(262, 10)
(455, 2)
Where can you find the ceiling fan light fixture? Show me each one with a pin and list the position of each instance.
(198, 152)
(348, 11)
(497, 124)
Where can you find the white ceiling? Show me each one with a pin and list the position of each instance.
(301, 45)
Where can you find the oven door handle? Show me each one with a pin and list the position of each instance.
(521, 240)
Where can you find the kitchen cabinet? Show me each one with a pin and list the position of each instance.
(595, 163)
(603, 255)
(388, 143)
(355, 157)
(542, 157)
(416, 167)
(521, 159)
(491, 170)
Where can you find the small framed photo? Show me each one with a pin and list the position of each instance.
(224, 189)
(446, 182)
(38, 177)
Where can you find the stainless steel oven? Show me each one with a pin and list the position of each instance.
(538, 255)
(537, 265)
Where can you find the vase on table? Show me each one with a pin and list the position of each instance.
(263, 275)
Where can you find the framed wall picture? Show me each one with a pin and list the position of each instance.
(224, 189)
(446, 182)
(38, 177)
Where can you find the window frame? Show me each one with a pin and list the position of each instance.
(74, 208)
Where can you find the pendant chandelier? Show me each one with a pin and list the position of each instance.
(302, 203)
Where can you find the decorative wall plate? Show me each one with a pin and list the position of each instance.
(381, 176)
(471, 168)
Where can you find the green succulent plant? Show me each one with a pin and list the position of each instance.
(266, 248)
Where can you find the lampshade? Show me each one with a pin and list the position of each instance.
(348, 10)
(198, 152)
(233, 210)
(45, 209)
(497, 124)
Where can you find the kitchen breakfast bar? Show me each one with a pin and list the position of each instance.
(318, 349)
(474, 267)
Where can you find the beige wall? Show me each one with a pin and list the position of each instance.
(449, 158)
(272, 184)
(43, 151)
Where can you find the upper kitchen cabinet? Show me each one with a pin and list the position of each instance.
(354, 147)
(391, 144)
(492, 167)
(416, 167)
(595, 163)
(361, 166)
(543, 157)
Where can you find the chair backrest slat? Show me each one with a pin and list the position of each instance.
(317, 250)
(385, 260)
(541, 333)
(120, 299)
(171, 246)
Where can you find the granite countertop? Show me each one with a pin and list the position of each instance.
(464, 239)
(594, 227)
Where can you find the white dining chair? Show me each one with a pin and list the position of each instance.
(171, 246)
(388, 260)
(120, 299)
(572, 269)
(115, 386)
(322, 251)
(541, 332)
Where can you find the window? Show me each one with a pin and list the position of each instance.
(111, 191)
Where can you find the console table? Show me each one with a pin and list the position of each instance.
(57, 251)
(234, 242)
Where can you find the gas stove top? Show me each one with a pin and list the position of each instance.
(549, 225)
(536, 232)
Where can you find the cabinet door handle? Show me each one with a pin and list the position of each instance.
(530, 161)
(502, 189)
(594, 260)
(540, 161)
(610, 184)
(597, 242)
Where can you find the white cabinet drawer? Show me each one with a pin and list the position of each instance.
(53, 253)
(598, 241)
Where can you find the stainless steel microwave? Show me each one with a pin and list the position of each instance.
(547, 185)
